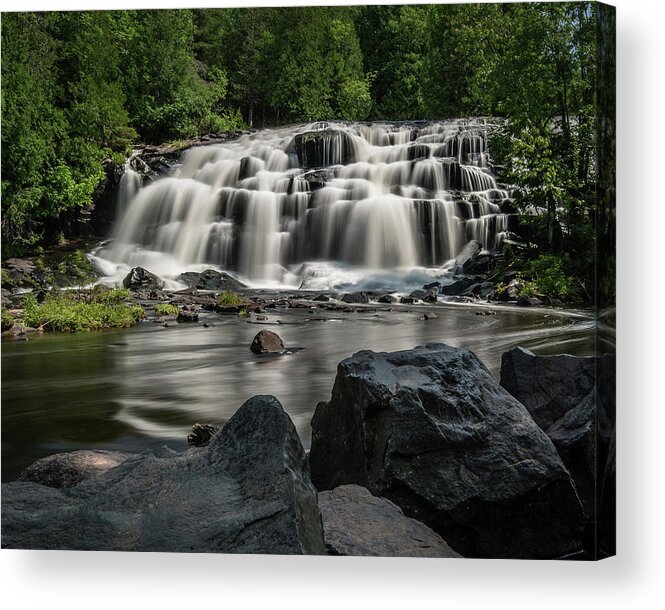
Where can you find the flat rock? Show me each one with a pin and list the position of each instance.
(211, 280)
(357, 523)
(247, 491)
(431, 430)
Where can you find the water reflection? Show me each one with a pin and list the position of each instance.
(146, 386)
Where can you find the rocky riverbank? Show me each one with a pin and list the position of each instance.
(418, 453)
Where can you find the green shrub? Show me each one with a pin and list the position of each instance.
(230, 299)
(66, 313)
(166, 309)
(7, 320)
(107, 297)
(548, 275)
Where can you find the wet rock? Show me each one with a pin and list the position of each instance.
(247, 491)
(357, 523)
(432, 285)
(321, 298)
(267, 342)
(355, 297)
(387, 298)
(64, 470)
(527, 301)
(428, 296)
(323, 148)
(201, 434)
(211, 280)
(407, 300)
(457, 287)
(187, 315)
(141, 279)
(432, 431)
(468, 253)
(429, 316)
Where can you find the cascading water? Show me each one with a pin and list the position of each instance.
(318, 206)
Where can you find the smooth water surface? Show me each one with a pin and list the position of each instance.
(144, 387)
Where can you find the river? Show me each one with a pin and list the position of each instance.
(145, 387)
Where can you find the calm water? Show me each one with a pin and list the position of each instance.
(146, 386)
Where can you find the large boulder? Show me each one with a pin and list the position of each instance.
(211, 280)
(458, 286)
(247, 491)
(431, 430)
(141, 279)
(357, 523)
(68, 469)
(468, 254)
(563, 397)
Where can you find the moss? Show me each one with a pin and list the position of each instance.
(7, 281)
(69, 313)
(166, 309)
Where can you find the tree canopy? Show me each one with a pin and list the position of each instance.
(79, 87)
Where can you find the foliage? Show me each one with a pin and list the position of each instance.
(78, 87)
(166, 309)
(66, 313)
(548, 275)
(7, 320)
(230, 299)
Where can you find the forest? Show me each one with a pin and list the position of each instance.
(78, 88)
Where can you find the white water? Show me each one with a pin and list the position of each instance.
(391, 203)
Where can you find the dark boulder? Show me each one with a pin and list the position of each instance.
(548, 386)
(387, 298)
(321, 298)
(429, 315)
(247, 491)
(211, 280)
(141, 279)
(267, 342)
(457, 287)
(407, 300)
(561, 394)
(68, 469)
(432, 431)
(428, 296)
(467, 255)
(357, 523)
(355, 297)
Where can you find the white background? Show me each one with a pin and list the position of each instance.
(29, 579)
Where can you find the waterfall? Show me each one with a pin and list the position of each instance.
(361, 197)
(130, 183)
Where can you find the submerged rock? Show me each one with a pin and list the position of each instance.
(432, 431)
(357, 523)
(247, 491)
(267, 342)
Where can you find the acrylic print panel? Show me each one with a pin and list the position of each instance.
(310, 280)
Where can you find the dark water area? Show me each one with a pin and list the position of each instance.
(145, 387)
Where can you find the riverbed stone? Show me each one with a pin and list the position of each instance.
(357, 523)
(355, 297)
(63, 470)
(431, 430)
(267, 342)
(247, 491)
